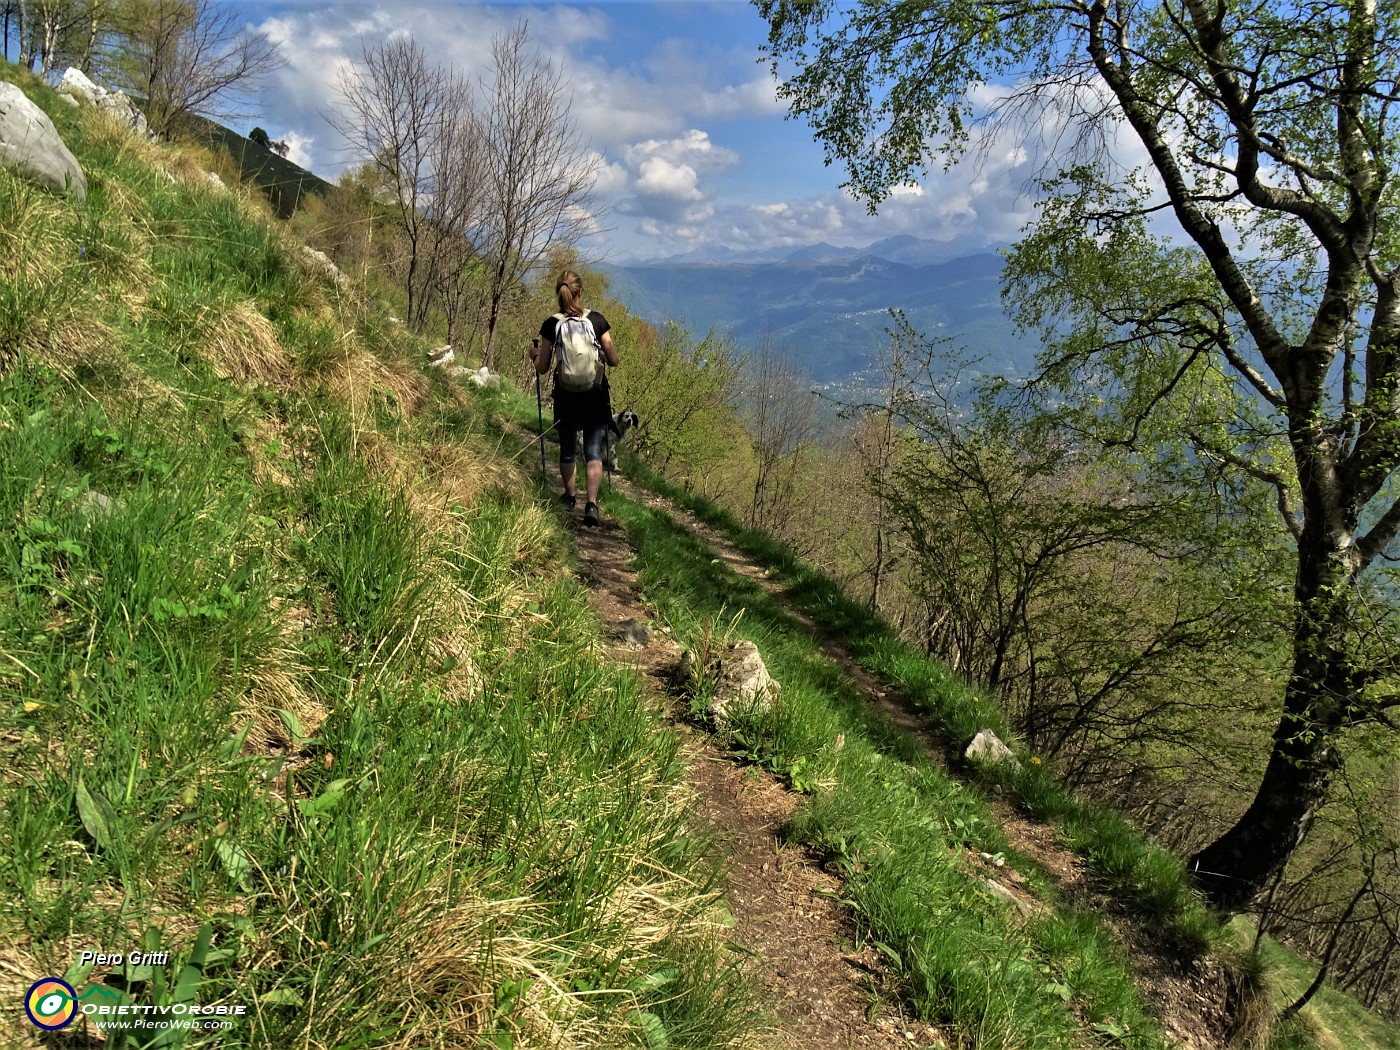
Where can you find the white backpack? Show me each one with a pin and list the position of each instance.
(578, 352)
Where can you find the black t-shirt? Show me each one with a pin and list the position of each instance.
(600, 325)
(583, 407)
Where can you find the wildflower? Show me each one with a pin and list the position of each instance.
(1035, 761)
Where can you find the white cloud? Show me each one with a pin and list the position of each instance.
(298, 148)
(692, 149)
(610, 177)
(659, 177)
(665, 185)
(656, 115)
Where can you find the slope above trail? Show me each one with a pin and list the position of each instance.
(783, 900)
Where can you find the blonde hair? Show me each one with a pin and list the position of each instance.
(569, 290)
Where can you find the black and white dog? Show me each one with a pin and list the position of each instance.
(617, 430)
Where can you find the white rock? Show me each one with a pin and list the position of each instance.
(742, 683)
(986, 748)
(76, 86)
(485, 378)
(31, 144)
(325, 263)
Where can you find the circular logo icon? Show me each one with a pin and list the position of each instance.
(51, 1004)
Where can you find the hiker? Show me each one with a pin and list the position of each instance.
(576, 343)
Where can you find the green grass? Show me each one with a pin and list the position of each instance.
(1149, 879)
(1331, 1019)
(293, 683)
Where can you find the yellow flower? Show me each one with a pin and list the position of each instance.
(1035, 761)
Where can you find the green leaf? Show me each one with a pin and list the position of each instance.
(193, 974)
(889, 953)
(364, 948)
(652, 1027)
(234, 746)
(93, 814)
(724, 915)
(292, 724)
(78, 973)
(237, 864)
(652, 981)
(323, 803)
(281, 997)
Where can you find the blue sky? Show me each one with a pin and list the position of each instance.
(693, 145)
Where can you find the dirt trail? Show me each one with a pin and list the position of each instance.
(783, 901)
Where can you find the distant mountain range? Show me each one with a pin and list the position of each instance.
(829, 305)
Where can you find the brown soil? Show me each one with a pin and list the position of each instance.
(827, 989)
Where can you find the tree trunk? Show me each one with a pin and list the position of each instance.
(1321, 692)
(24, 28)
(94, 23)
(488, 354)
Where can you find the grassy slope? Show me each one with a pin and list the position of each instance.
(292, 683)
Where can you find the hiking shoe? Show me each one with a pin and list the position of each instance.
(568, 500)
(590, 514)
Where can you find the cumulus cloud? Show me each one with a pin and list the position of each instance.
(322, 45)
(756, 97)
(671, 124)
(692, 149)
(659, 177)
(299, 148)
(665, 181)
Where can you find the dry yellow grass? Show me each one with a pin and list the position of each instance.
(364, 384)
(271, 690)
(241, 345)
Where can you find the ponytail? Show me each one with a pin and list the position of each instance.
(569, 290)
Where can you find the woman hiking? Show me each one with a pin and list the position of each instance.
(577, 344)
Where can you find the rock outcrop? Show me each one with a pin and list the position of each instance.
(30, 144)
(323, 262)
(75, 87)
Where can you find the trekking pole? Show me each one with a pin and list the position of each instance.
(539, 412)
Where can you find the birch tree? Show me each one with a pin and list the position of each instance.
(1270, 149)
(538, 171)
(187, 56)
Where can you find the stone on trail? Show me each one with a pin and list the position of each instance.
(986, 748)
(742, 682)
